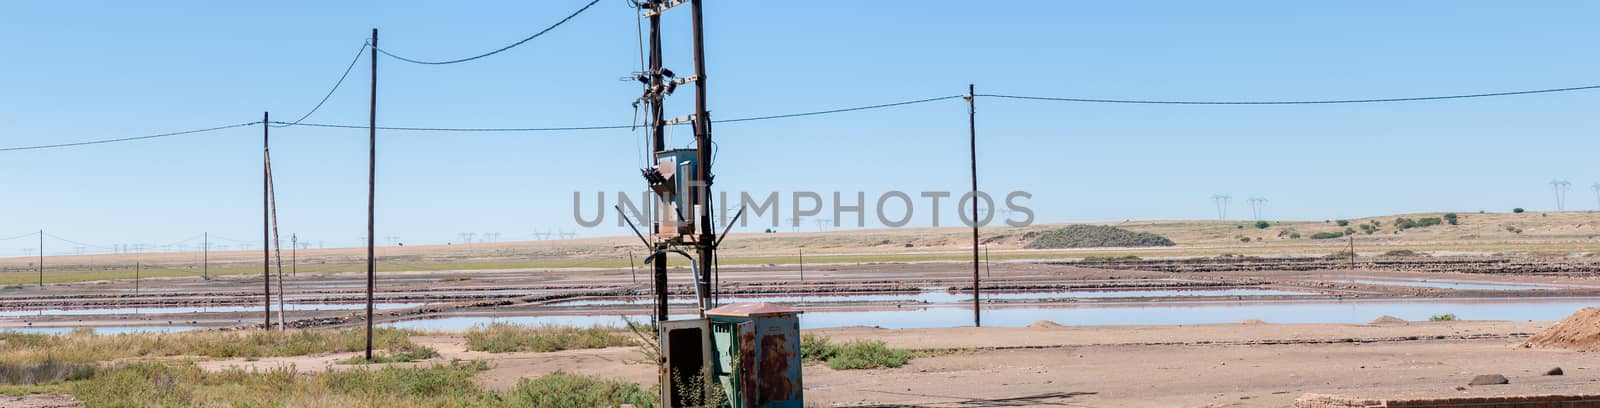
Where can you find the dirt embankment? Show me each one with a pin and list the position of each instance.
(1580, 332)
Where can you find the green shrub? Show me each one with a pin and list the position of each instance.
(1262, 225)
(1327, 235)
(814, 348)
(1244, 239)
(853, 355)
(1451, 218)
(1294, 235)
(1447, 317)
(1513, 229)
(560, 389)
(1517, 210)
(1343, 223)
(1429, 222)
(1368, 228)
(864, 354)
(1096, 236)
(506, 338)
(402, 355)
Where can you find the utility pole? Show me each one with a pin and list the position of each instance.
(372, 189)
(972, 126)
(655, 97)
(136, 277)
(1560, 187)
(1596, 188)
(702, 135)
(205, 257)
(41, 259)
(294, 259)
(1222, 205)
(632, 271)
(1352, 252)
(266, 239)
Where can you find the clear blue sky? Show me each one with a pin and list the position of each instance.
(78, 70)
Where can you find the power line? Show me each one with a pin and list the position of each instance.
(30, 234)
(336, 85)
(629, 126)
(125, 139)
(513, 45)
(824, 112)
(77, 243)
(1295, 102)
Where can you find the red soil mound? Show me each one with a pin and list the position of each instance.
(1580, 331)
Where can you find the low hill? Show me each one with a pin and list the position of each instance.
(1095, 236)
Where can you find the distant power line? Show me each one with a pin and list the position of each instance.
(502, 49)
(1296, 102)
(821, 112)
(126, 139)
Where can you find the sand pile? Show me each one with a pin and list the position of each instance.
(1580, 331)
(1387, 319)
(1045, 324)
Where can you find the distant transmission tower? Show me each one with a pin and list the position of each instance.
(1560, 187)
(1222, 205)
(1596, 188)
(1256, 205)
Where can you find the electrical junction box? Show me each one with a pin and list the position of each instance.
(676, 198)
(756, 354)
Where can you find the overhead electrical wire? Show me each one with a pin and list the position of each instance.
(77, 243)
(502, 49)
(1294, 102)
(126, 139)
(30, 234)
(629, 126)
(336, 85)
(840, 110)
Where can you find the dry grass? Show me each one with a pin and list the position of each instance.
(83, 346)
(506, 338)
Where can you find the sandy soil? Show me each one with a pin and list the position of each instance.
(1247, 365)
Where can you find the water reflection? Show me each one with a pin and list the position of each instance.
(1098, 315)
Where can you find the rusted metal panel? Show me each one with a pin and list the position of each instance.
(766, 355)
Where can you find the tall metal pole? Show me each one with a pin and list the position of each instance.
(372, 190)
(266, 239)
(632, 271)
(658, 143)
(702, 135)
(972, 123)
(205, 257)
(41, 259)
(294, 258)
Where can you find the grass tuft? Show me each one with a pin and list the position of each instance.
(852, 355)
(506, 338)
(83, 346)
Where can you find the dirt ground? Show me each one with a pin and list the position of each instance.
(1234, 365)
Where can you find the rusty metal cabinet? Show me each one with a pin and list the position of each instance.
(756, 356)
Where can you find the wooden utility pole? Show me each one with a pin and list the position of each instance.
(1352, 252)
(372, 190)
(702, 142)
(632, 271)
(266, 239)
(658, 143)
(41, 259)
(294, 259)
(205, 257)
(972, 124)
